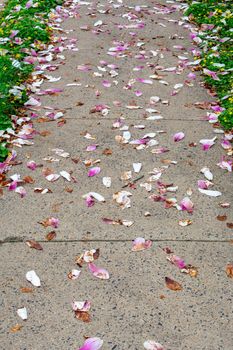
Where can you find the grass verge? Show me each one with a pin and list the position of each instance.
(23, 28)
(215, 20)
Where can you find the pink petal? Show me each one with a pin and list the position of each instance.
(81, 305)
(226, 165)
(13, 185)
(94, 171)
(192, 76)
(141, 244)
(83, 68)
(106, 83)
(92, 344)
(211, 74)
(145, 81)
(138, 93)
(91, 148)
(152, 345)
(187, 204)
(176, 260)
(207, 143)
(90, 201)
(203, 184)
(54, 222)
(31, 165)
(226, 144)
(178, 136)
(21, 190)
(98, 271)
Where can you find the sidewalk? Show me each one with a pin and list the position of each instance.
(134, 305)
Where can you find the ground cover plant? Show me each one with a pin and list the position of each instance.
(23, 29)
(215, 20)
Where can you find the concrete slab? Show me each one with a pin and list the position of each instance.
(71, 208)
(132, 306)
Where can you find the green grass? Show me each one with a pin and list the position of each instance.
(217, 50)
(32, 28)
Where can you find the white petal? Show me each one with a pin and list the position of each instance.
(137, 167)
(207, 173)
(66, 175)
(210, 192)
(95, 195)
(32, 277)
(107, 181)
(22, 313)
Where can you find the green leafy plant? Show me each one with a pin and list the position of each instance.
(20, 28)
(215, 19)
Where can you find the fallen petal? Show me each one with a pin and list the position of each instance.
(92, 344)
(98, 271)
(141, 244)
(210, 193)
(32, 277)
(22, 313)
(152, 345)
(94, 171)
(178, 136)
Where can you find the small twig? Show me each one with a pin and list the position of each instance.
(137, 179)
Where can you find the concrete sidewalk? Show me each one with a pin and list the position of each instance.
(134, 305)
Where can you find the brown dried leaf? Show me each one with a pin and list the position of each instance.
(173, 285)
(43, 120)
(45, 133)
(96, 254)
(167, 250)
(61, 122)
(107, 152)
(192, 271)
(192, 144)
(229, 270)
(26, 290)
(47, 171)
(83, 316)
(16, 328)
(230, 224)
(28, 179)
(69, 189)
(56, 207)
(33, 244)
(50, 236)
(221, 217)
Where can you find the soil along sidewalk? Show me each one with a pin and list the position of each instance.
(122, 199)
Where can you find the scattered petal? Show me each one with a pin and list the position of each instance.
(94, 171)
(152, 345)
(185, 222)
(98, 271)
(32, 277)
(141, 244)
(22, 313)
(210, 193)
(92, 344)
(74, 274)
(107, 181)
(178, 136)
